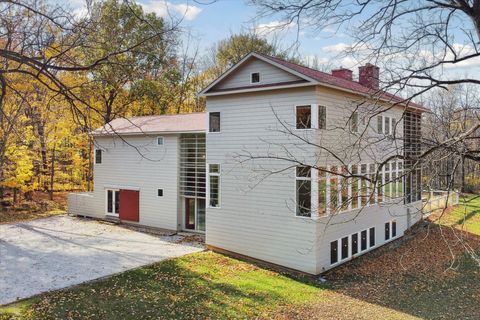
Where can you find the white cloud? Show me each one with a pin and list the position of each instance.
(165, 8)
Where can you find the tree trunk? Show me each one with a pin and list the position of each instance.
(462, 177)
(52, 175)
(14, 195)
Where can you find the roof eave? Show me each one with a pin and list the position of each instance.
(145, 133)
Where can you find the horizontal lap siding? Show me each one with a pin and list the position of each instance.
(268, 74)
(257, 216)
(150, 168)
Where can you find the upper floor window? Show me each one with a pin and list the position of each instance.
(255, 77)
(386, 125)
(303, 117)
(354, 122)
(160, 141)
(214, 122)
(322, 117)
(98, 156)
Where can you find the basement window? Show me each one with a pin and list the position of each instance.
(345, 253)
(255, 77)
(372, 237)
(333, 252)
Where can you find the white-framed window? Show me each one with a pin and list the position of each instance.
(160, 192)
(303, 191)
(98, 156)
(303, 117)
(354, 122)
(160, 141)
(390, 230)
(112, 201)
(213, 185)
(386, 125)
(213, 122)
(322, 117)
(322, 191)
(255, 77)
(348, 246)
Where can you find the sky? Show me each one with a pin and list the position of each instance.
(208, 21)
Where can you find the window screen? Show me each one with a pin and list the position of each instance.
(333, 252)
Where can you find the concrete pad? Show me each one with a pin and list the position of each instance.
(57, 252)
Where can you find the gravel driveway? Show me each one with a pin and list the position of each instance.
(61, 251)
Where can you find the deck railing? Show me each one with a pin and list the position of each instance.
(437, 200)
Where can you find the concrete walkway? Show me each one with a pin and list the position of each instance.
(61, 251)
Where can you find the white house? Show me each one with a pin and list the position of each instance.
(274, 170)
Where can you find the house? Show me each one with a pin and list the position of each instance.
(288, 165)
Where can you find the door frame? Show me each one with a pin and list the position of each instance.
(185, 215)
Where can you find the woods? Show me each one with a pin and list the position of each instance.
(65, 74)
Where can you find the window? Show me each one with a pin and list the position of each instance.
(355, 182)
(379, 124)
(394, 229)
(303, 189)
(390, 229)
(333, 252)
(160, 192)
(98, 156)
(345, 253)
(214, 122)
(371, 233)
(354, 244)
(255, 77)
(386, 128)
(322, 191)
(304, 117)
(159, 141)
(385, 125)
(387, 230)
(113, 201)
(322, 117)
(363, 240)
(354, 122)
(214, 185)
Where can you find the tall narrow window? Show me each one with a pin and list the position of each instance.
(304, 117)
(214, 185)
(214, 122)
(322, 117)
(363, 240)
(371, 232)
(303, 191)
(386, 125)
(98, 156)
(354, 243)
(363, 185)
(379, 124)
(334, 201)
(355, 185)
(344, 248)
(113, 201)
(333, 252)
(322, 191)
(387, 230)
(394, 229)
(354, 122)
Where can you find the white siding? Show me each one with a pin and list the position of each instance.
(142, 164)
(257, 215)
(268, 74)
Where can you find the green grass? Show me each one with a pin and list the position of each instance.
(465, 215)
(195, 286)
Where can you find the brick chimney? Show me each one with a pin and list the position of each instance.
(368, 76)
(343, 73)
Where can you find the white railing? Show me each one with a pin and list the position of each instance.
(437, 200)
(80, 203)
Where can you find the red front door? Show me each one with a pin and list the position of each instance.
(129, 205)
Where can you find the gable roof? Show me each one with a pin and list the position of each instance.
(313, 77)
(178, 123)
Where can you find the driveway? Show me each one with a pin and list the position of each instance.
(61, 251)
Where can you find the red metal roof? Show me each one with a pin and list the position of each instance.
(329, 79)
(188, 122)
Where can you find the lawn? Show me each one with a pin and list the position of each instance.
(425, 275)
(465, 216)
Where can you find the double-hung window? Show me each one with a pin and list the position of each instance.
(303, 190)
(214, 185)
(98, 156)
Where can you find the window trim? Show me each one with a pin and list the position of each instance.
(251, 77)
(113, 199)
(390, 226)
(312, 193)
(216, 174)
(208, 123)
(313, 117)
(350, 247)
